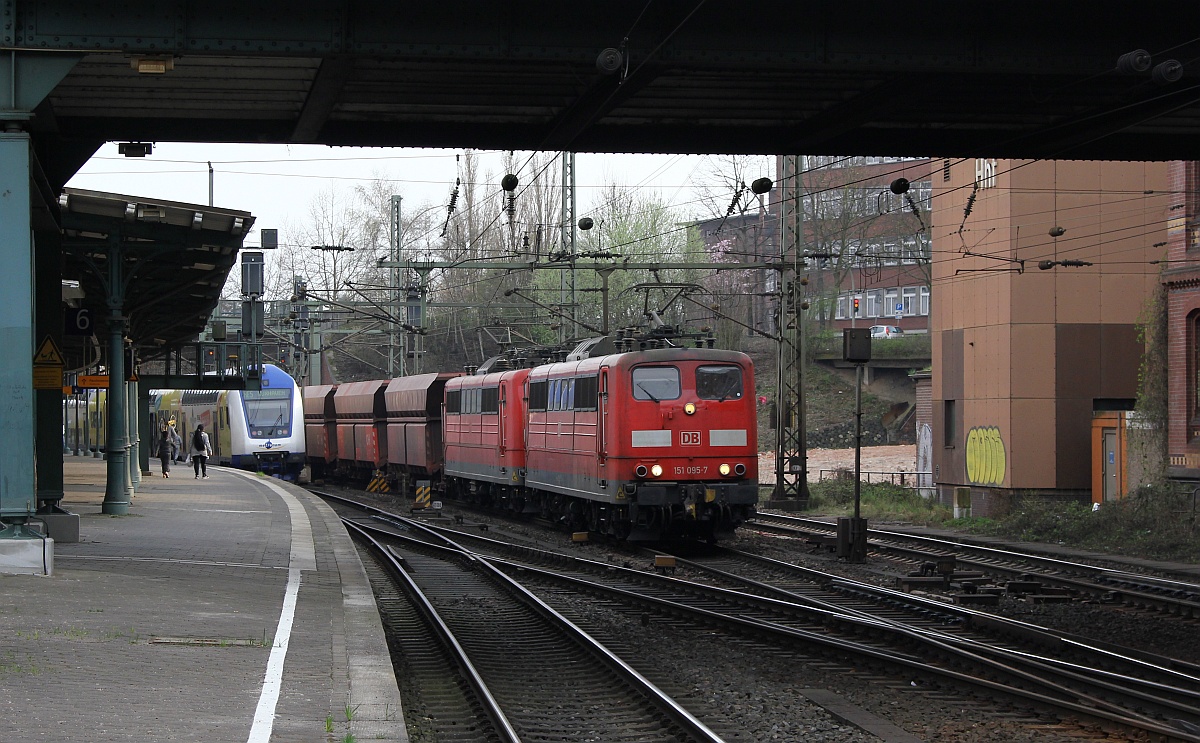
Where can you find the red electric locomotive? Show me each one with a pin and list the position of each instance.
(639, 445)
(635, 444)
(646, 444)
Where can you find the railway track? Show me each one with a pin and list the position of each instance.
(1040, 577)
(864, 626)
(531, 674)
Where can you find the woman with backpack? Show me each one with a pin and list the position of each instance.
(201, 451)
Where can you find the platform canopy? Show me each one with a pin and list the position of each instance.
(175, 259)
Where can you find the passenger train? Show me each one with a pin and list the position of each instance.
(259, 430)
(635, 443)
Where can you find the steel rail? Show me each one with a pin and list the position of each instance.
(1057, 695)
(504, 728)
(658, 698)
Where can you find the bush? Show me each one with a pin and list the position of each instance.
(1153, 523)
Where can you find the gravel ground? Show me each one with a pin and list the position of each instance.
(759, 688)
(751, 691)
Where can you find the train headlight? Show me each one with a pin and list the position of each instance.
(739, 469)
(640, 470)
(724, 469)
(689, 408)
(656, 470)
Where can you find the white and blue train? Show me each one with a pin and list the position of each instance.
(257, 430)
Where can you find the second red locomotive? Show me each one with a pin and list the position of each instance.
(635, 444)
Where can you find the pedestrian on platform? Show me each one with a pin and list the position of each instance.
(177, 452)
(166, 452)
(201, 451)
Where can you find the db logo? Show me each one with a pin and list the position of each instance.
(689, 438)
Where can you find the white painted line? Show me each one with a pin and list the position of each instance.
(303, 557)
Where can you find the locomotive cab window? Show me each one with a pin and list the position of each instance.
(268, 412)
(719, 383)
(656, 383)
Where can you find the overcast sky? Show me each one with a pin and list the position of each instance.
(278, 183)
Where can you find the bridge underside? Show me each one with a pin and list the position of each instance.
(1016, 79)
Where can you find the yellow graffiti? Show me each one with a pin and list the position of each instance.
(986, 461)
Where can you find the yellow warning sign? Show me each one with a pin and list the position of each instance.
(47, 377)
(48, 354)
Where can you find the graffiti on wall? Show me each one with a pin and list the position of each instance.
(986, 461)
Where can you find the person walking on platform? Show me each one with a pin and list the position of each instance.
(177, 452)
(201, 451)
(166, 452)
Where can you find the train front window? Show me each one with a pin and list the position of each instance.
(268, 412)
(719, 383)
(656, 383)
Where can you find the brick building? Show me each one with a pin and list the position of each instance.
(867, 244)
(1181, 278)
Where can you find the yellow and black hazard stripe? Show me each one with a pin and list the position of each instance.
(423, 495)
(379, 484)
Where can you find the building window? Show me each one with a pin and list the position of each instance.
(873, 299)
(910, 300)
(946, 170)
(891, 298)
(948, 428)
(924, 302)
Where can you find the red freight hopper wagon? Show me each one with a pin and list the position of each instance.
(485, 438)
(414, 424)
(646, 443)
(361, 426)
(320, 428)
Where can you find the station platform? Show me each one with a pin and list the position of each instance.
(233, 608)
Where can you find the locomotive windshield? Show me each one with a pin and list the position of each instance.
(719, 383)
(268, 412)
(656, 383)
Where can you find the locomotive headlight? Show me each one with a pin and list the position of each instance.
(739, 469)
(723, 469)
(689, 408)
(640, 470)
(656, 470)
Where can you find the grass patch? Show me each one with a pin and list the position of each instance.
(1153, 523)
(877, 502)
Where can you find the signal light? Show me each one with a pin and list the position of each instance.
(856, 305)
